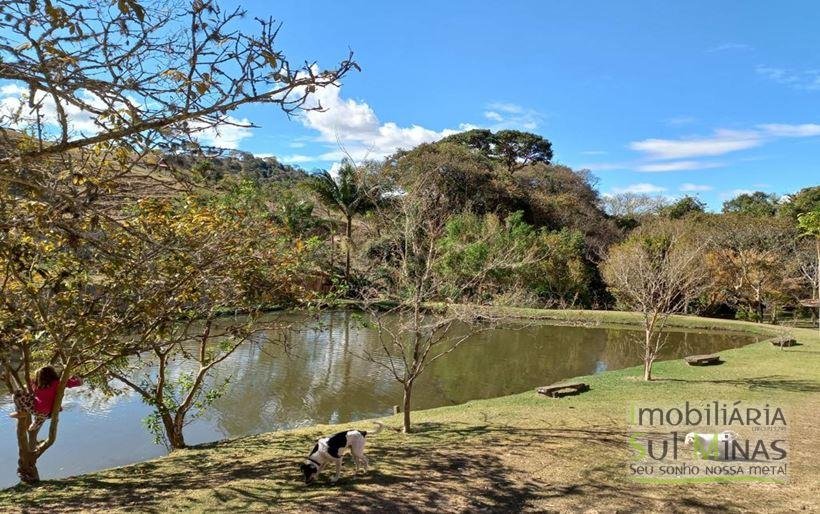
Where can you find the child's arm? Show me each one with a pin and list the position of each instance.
(74, 382)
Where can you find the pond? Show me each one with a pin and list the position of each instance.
(322, 379)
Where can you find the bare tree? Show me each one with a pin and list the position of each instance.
(140, 75)
(656, 272)
(422, 327)
(633, 205)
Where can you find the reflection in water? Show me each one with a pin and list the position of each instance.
(320, 379)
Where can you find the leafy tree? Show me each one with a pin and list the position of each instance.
(558, 197)
(517, 149)
(804, 201)
(751, 263)
(809, 225)
(512, 148)
(349, 194)
(464, 179)
(480, 140)
(683, 207)
(295, 214)
(549, 265)
(656, 272)
(148, 78)
(58, 305)
(756, 204)
(216, 258)
(550, 196)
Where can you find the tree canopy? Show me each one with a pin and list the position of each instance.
(756, 204)
(512, 148)
(684, 207)
(804, 201)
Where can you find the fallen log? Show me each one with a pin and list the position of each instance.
(702, 360)
(565, 389)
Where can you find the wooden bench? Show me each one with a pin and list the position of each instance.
(565, 389)
(784, 342)
(702, 360)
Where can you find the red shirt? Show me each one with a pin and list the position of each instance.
(44, 398)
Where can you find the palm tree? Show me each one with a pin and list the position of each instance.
(345, 193)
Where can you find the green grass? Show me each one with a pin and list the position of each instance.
(519, 452)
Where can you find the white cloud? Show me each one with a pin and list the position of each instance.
(351, 128)
(808, 80)
(681, 120)
(729, 46)
(334, 169)
(297, 158)
(512, 116)
(354, 126)
(639, 188)
(227, 135)
(784, 130)
(688, 187)
(15, 113)
(605, 166)
(676, 166)
(728, 195)
(722, 142)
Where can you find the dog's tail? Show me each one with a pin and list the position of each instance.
(379, 427)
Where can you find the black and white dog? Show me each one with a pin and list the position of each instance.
(331, 449)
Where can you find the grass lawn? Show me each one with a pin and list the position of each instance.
(520, 452)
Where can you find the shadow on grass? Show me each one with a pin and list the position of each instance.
(439, 467)
(773, 382)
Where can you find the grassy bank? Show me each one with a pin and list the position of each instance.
(511, 453)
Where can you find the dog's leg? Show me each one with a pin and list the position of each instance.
(365, 462)
(338, 470)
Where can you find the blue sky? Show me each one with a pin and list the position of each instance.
(671, 98)
(695, 97)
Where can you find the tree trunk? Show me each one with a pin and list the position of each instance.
(173, 431)
(647, 355)
(177, 440)
(408, 391)
(26, 451)
(817, 249)
(348, 237)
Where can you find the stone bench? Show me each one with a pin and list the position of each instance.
(565, 389)
(702, 360)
